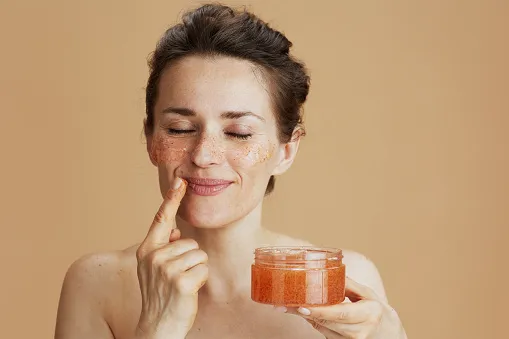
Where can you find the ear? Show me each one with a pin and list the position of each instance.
(287, 153)
(150, 150)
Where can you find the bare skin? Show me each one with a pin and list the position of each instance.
(101, 299)
(201, 130)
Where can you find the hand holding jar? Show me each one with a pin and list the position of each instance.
(312, 283)
(366, 317)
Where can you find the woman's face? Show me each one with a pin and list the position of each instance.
(214, 127)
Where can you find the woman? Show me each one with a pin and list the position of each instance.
(223, 105)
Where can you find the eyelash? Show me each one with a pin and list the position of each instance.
(187, 131)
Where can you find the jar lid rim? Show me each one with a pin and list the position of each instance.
(282, 250)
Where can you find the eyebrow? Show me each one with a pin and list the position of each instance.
(225, 115)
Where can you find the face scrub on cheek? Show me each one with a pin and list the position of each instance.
(298, 276)
(167, 149)
(253, 154)
(164, 149)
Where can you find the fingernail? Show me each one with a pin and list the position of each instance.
(303, 310)
(176, 183)
(281, 309)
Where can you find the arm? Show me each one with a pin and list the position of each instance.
(81, 307)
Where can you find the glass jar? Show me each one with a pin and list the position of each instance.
(298, 276)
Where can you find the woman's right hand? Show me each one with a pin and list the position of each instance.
(170, 272)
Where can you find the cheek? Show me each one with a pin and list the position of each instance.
(253, 155)
(165, 149)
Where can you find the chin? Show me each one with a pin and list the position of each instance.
(207, 213)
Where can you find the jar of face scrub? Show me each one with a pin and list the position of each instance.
(298, 276)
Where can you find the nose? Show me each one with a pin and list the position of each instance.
(209, 151)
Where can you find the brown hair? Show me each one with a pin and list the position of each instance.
(215, 29)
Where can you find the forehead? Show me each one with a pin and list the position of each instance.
(211, 85)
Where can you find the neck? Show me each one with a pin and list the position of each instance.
(230, 251)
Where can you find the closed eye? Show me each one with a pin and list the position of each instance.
(239, 136)
(180, 131)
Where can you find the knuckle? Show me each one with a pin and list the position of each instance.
(191, 243)
(184, 245)
(160, 217)
(313, 323)
(202, 271)
(155, 258)
(323, 322)
(140, 253)
(342, 315)
(320, 322)
(169, 270)
(205, 271)
(191, 259)
(183, 285)
(191, 281)
(169, 194)
(202, 255)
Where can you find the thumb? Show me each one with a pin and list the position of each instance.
(357, 292)
(175, 234)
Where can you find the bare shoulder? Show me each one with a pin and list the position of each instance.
(358, 267)
(99, 268)
(87, 292)
(90, 268)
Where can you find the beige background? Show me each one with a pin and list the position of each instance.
(405, 160)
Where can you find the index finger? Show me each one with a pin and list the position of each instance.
(164, 220)
(346, 313)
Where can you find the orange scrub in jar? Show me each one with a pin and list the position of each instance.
(298, 276)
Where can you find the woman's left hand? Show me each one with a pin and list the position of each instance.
(366, 317)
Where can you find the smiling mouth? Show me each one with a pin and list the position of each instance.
(206, 186)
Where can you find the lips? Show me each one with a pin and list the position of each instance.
(207, 186)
